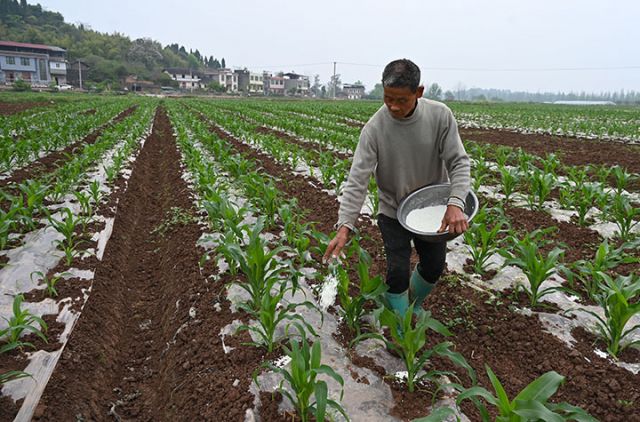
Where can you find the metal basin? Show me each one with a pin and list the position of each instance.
(429, 196)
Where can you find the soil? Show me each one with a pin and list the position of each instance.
(7, 109)
(571, 151)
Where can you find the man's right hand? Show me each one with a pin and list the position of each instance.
(337, 243)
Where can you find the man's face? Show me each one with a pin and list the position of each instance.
(400, 101)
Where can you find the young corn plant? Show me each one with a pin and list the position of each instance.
(580, 199)
(309, 396)
(483, 242)
(524, 254)
(550, 163)
(21, 321)
(619, 299)
(370, 289)
(259, 265)
(272, 313)
(95, 193)
(588, 273)
(624, 215)
(540, 186)
(530, 404)
(50, 283)
(408, 339)
(509, 179)
(67, 227)
(622, 178)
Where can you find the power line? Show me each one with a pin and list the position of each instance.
(469, 69)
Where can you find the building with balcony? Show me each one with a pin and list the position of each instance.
(36, 64)
(273, 85)
(353, 91)
(187, 79)
(295, 84)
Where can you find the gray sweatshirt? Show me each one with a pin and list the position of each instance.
(423, 149)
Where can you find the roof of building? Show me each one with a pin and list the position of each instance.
(28, 45)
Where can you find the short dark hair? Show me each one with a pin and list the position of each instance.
(402, 73)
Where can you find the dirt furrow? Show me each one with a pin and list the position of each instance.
(125, 358)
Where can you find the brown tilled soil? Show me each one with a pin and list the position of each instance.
(7, 109)
(54, 160)
(572, 151)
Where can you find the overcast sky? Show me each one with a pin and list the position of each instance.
(532, 45)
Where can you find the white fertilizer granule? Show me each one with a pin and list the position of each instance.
(426, 219)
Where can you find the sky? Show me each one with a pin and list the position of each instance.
(528, 45)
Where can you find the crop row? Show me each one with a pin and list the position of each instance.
(407, 341)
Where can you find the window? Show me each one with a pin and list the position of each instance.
(11, 60)
(57, 65)
(25, 61)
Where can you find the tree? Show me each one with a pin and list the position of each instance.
(215, 86)
(315, 88)
(434, 92)
(334, 87)
(223, 64)
(448, 96)
(377, 92)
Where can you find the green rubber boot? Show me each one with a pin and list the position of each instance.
(419, 289)
(398, 302)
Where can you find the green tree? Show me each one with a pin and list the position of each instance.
(434, 92)
(377, 92)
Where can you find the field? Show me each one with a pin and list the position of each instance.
(160, 259)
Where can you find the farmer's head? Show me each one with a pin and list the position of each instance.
(401, 84)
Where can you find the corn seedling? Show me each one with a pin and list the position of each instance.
(352, 308)
(408, 340)
(509, 179)
(624, 215)
(540, 186)
(308, 395)
(95, 193)
(49, 282)
(588, 273)
(537, 267)
(622, 178)
(530, 404)
(67, 227)
(84, 199)
(258, 263)
(619, 299)
(481, 241)
(274, 311)
(22, 321)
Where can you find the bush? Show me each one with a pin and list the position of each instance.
(21, 85)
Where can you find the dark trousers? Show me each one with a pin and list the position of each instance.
(397, 247)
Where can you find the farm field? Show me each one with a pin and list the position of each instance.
(160, 259)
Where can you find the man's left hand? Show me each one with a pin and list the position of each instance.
(454, 220)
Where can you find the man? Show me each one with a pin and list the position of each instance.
(410, 142)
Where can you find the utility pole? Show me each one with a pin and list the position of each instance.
(80, 73)
(334, 80)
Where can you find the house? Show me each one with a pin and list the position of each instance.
(295, 84)
(273, 85)
(37, 64)
(353, 91)
(188, 79)
(225, 77)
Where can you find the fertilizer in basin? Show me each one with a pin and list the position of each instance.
(426, 219)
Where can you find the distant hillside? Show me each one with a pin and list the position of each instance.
(112, 57)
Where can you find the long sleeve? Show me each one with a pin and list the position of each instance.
(365, 159)
(456, 160)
